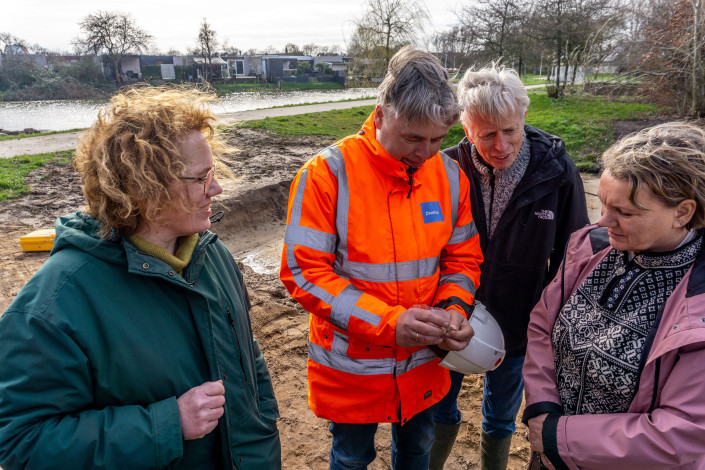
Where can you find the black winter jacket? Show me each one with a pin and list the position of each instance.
(526, 250)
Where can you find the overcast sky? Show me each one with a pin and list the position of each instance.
(245, 24)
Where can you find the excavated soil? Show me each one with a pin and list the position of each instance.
(253, 227)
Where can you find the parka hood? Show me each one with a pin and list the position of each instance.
(81, 231)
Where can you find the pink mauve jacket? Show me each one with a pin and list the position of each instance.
(665, 425)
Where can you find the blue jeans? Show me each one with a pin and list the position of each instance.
(354, 444)
(501, 399)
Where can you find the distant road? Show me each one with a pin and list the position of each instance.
(68, 140)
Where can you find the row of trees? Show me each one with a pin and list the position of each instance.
(115, 34)
(660, 44)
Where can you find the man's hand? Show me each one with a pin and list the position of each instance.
(459, 332)
(422, 327)
(200, 408)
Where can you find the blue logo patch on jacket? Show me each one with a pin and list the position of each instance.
(431, 212)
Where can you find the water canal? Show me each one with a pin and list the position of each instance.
(78, 114)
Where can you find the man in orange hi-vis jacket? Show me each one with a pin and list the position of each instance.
(379, 225)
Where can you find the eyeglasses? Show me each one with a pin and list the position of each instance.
(206, 180)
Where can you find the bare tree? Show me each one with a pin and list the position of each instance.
(564, 27)
(293, 49)
(457, 46)
(208, 44)
(112, 34)
(310, 49)
(672, 43)
(229, 49)
(495, 23)
(10, 44)
(384, 28)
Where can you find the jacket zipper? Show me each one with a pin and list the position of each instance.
(239, 350)
(491, 211)
(657, 372)
(410, 171)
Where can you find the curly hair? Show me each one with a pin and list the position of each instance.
(129, 157)
(669, 159)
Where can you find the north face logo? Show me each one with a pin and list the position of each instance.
(545, 214)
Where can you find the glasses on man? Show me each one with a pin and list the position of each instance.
(206, 180)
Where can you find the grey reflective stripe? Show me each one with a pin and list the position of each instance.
(453, 173)
(344, 363)
(387, 272)
(298, 204)
(310, 238)
(294, 221)
(463, 234)
(337, 359)
(336, 163)
(340, 344)
(460, 279)
(342, 306)
(418, 358)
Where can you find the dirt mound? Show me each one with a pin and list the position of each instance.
(253, 228)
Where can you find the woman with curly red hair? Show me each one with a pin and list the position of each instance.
(132, 346)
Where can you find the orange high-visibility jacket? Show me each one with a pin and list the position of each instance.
(363, 244)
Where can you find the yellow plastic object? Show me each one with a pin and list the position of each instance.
(39, 240)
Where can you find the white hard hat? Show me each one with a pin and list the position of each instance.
(485, 350)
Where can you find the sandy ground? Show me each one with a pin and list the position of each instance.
(253, 228)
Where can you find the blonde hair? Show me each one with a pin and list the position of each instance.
(669, 159)
(128, 158)
(494, 93)
(418, 88)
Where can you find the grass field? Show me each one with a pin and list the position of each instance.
(225, 88)
(23, 135)
(13, 171)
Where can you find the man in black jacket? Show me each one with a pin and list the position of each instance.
(527, 198)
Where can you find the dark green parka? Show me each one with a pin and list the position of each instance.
(99, 344)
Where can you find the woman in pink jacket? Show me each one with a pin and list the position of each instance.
(615, 364)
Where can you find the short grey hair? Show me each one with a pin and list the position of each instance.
(418, 88)
(494, 93)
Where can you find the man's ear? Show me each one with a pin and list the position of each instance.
(379, 114)
(467, 133)
(684, 212)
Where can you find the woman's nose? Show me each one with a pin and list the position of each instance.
(214, 188)
(606, 219)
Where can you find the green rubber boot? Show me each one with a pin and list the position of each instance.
(442, 444)
(494, 453)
